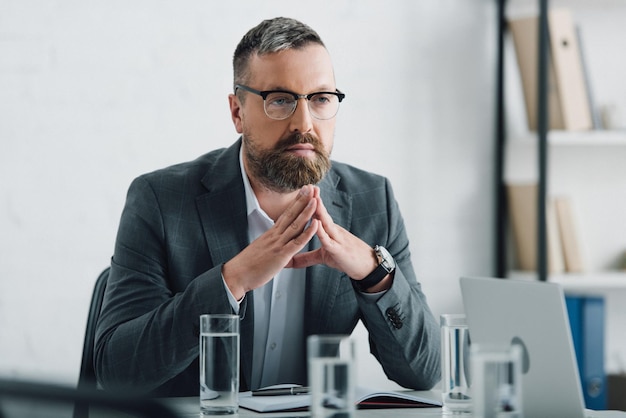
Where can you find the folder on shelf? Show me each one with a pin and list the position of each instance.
(569, 233)
(568, 101)
(596, 120)
(522, 201)
(586, 318)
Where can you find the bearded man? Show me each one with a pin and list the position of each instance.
(269, 229)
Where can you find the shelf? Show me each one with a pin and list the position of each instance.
(597, 138)
(531, 8)
(517, 6)
(587, 283)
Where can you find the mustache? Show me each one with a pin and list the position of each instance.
(300, 138)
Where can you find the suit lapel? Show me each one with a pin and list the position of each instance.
(222, 208)
(222, 211)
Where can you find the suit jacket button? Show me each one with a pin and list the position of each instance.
(394, 318)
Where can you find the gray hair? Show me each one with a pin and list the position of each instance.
(270, 36)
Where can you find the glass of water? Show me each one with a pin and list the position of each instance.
(331, 376)
(219, 364)
(497, 380)
(455, 364)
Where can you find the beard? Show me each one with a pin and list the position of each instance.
(281, 171)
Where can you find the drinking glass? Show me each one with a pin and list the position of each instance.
(455, 365)
(331, 376)
(219, 364)
(497, 386)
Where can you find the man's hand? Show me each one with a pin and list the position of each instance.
(272, 251)
(340, 249)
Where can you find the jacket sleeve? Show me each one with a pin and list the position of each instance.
(148, 329)
(404, 334)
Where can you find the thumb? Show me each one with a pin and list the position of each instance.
(307, 259)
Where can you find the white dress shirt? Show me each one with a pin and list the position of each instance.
(278, 311)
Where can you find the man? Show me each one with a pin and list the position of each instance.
(268, 229)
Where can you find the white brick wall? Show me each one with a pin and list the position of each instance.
(93, 93)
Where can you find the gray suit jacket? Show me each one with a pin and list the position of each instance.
(179, 226)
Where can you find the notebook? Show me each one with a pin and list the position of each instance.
(533, 315)
(366, 398)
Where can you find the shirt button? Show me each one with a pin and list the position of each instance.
(272, 346)
(278, 295)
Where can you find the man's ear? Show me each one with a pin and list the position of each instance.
(235, 112)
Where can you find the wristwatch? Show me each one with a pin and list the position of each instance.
(386, 265)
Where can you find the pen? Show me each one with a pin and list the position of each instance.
(299, 390)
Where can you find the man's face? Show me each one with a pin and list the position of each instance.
(284, 155)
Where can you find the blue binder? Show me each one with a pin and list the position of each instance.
(586, 317)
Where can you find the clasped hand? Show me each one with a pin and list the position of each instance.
(280, 246)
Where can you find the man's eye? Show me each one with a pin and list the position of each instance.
(280, 100)
(321, 99)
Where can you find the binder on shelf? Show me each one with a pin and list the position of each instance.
(596, 120)
(569, 235)
(586, 318)
(522, 201)
(568, 101)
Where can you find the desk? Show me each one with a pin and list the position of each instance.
(190, 407)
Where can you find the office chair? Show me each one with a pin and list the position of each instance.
(87, 376)
(32, 399)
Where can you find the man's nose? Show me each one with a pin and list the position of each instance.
(301, 120)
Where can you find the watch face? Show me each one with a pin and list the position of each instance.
(387, 260)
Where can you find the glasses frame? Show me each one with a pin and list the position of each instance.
(296, 97)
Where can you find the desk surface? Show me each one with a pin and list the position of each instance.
(190, 407)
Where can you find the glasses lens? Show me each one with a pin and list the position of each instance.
(279, 105)
(324, 105)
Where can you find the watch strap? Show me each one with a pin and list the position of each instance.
(371, 279)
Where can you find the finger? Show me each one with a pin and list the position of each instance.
(299, 241)
(292, 231)
(300, 204)
(307, 259)
(321, 208)
(322, 214)
(323, 236)
(330, 244)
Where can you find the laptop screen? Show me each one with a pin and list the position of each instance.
(533, 315)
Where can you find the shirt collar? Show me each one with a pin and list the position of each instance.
(252, 204)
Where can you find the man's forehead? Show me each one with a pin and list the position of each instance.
(310, 65)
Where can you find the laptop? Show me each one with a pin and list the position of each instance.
(533, 315)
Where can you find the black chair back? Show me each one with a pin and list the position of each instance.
(87, 376)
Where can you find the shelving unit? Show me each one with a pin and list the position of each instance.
(582, 283)
(585, 165)
(544, 147)
(571, 139)
(542, 128)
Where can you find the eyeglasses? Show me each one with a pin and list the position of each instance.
(280, 104)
